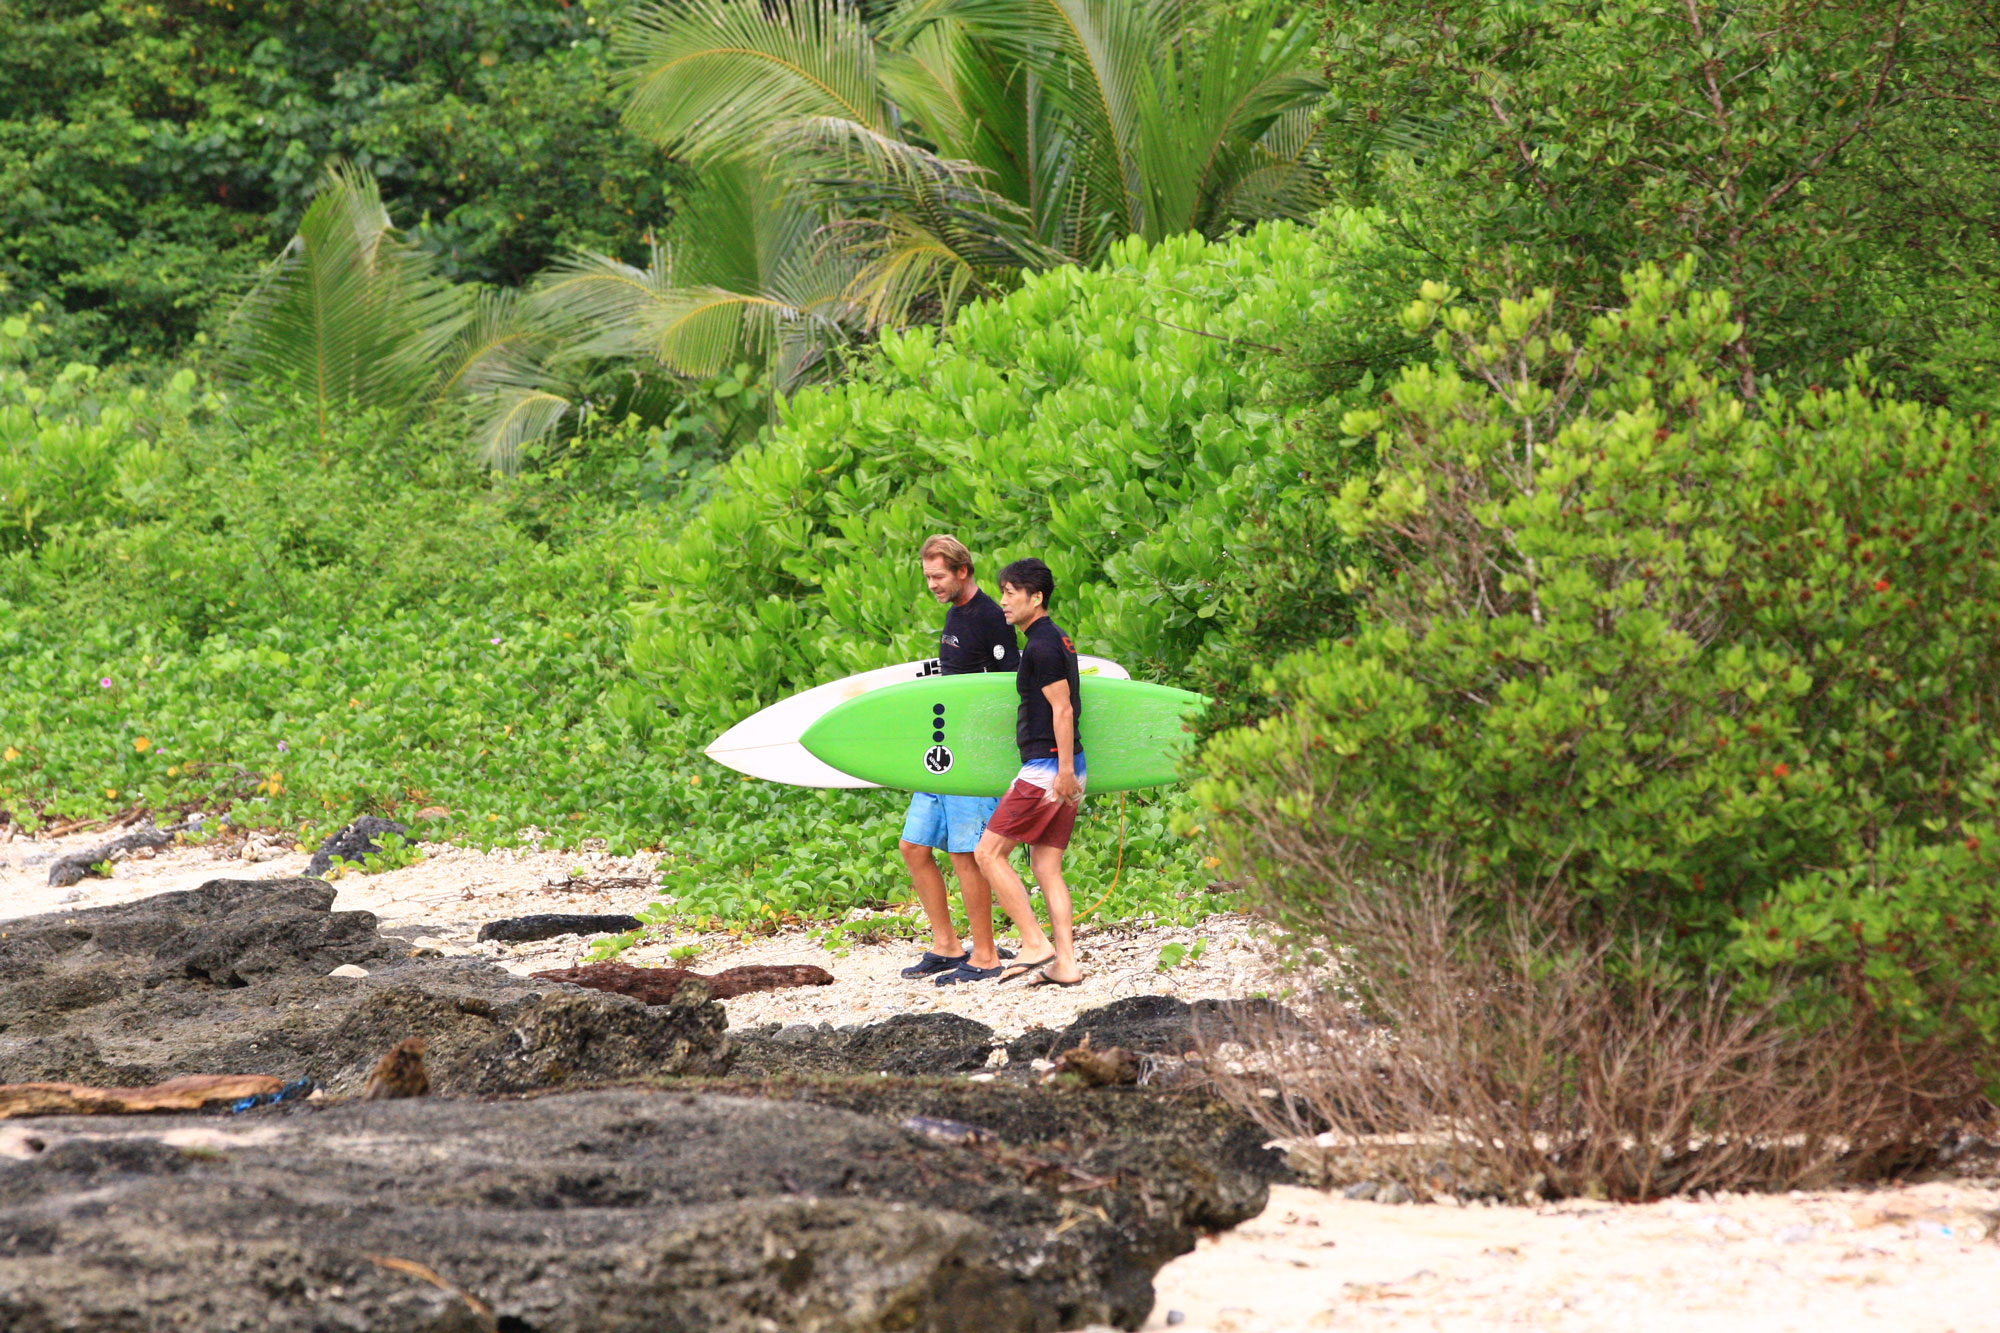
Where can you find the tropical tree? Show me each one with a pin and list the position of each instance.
(742, 272)
(953, 143)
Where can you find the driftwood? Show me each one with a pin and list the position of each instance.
(190, 1092)
(656, 985)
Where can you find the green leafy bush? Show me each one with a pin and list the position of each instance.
(1121, 423)
(1714, 673)
(73, 453)
(1831, 165)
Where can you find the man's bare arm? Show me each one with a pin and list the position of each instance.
(1066, 787)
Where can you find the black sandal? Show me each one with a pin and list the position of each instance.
(965, 972)
(931, 964)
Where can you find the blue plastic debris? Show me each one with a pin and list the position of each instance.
(296, 1090)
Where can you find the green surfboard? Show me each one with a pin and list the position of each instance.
(955, 734)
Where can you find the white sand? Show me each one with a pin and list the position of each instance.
(1914, 1257)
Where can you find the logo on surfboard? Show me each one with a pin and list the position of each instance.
(938, 759)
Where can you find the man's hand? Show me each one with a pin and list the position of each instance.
(1066, 789)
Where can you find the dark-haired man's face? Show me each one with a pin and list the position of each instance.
(945, 582)
(1019, 605)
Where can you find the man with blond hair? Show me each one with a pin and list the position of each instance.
(976, 637)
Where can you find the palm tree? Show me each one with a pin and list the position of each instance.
(743, 271)
(960, 141)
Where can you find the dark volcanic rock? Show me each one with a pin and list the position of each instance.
(659, 985)
(353, 842)
(905, 1044)
(550, 925)
(1153, 1025)
(232, 978)
(616, 1210)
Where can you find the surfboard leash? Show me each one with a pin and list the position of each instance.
(1116, 870)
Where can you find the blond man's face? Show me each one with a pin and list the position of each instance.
(944, 582)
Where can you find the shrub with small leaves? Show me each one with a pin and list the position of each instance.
(1719, 669)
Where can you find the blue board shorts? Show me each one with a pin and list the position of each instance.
(951, 823)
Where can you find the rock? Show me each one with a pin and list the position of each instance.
(433, 812)
(353, 842)
(948, 1131)
(1361, 1189)
(73, 868)
(550, 925)
(905, 1044)
(348, 970)
(615, 1209)
(1154, 1025)
(234, 976)
(659, 985)
(1393, 1192)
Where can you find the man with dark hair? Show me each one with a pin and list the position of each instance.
(975, 638)
(1040, 808)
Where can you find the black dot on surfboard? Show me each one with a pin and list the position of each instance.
(938, 709)
(937, 736)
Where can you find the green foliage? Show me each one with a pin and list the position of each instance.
(1175, 954)
(152, 156)
(77, 453)
(1716, 673)
(1119, 423)
(742, 272)
(1830, 165)
(295, 631)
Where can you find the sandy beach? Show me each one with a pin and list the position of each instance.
(1909, 1256)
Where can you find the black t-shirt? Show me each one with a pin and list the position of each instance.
(1048, 658)
(976, 638)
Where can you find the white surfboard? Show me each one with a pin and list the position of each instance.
(766, 744)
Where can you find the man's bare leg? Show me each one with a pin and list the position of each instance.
(1046, 862)
(978, 895)
(1012, 895)
(928, 881)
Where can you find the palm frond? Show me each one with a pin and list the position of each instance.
(508, 419)
(714, 78)
(349, 313)
(1240, 103)
(744, 271)
(926, 230)
(1279, 178)
(506, 367)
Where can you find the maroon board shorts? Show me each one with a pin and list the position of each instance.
(1028, 814)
